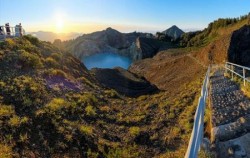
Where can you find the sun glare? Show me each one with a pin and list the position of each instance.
(59, 23)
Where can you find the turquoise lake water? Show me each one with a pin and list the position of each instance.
(106, 60)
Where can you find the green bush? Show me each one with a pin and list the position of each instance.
(129, 152)
(55, 72)
(86, 81)
(51, 62)
(134, 131)
(6, 151)
(90, 110)
(111, 93)
(16, 121)
(88, 98)
(6, 111)
(30, 59)
(56, 56)
(32, 39)
(57, 104)
(10, 43)
(86, 130)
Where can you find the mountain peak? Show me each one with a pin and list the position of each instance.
(175, 27)
(111, 30)
(174, 32)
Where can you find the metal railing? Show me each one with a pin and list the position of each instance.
(198, 127)
(237, 69)
(8, 31)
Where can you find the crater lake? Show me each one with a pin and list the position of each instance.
(106, 60)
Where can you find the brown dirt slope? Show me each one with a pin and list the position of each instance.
(168, 70)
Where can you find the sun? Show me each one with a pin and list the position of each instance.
(59, 25)
(59, 22)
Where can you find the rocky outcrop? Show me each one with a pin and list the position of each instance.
(149, 47)
(124, 82)
(239, 49)
(134, 45)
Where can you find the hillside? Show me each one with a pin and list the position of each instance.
(223, 40)
(38, 93)
(211, 46)
(51, 106)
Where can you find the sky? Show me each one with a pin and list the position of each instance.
(85, 16)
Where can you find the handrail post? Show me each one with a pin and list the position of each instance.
(244, 76)
(226, 67)
(232, 72)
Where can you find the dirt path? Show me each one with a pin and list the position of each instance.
(196, 60)
(230, 110)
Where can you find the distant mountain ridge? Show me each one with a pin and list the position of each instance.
(134, 45)
(173, 32)
(51, 36)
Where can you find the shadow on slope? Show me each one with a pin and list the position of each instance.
(124, 82)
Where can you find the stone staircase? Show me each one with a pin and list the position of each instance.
(230, 118)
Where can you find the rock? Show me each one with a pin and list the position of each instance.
(149, 47)
(239, 49)
(230, 151)
(206, 144)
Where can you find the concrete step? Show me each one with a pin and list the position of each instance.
(230, 117)
(235, 148)
(231, 130)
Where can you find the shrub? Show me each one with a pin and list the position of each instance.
(23, 137)
(31, 39)
(105, 108)
(15, 121)
(88, 98)
(6, 151)
(56, 104)
(55, 72)
(111, 93)
(134, 131)
(91, 154)
(171, 115)
(10, 43)
(128, 152)
(90, 110)
(86, 81)
(56, 56)
(86, 130)
(6, 111)
(30, 60)
(51, 62)
(172, 135)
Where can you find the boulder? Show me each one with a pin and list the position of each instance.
(239, 49)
